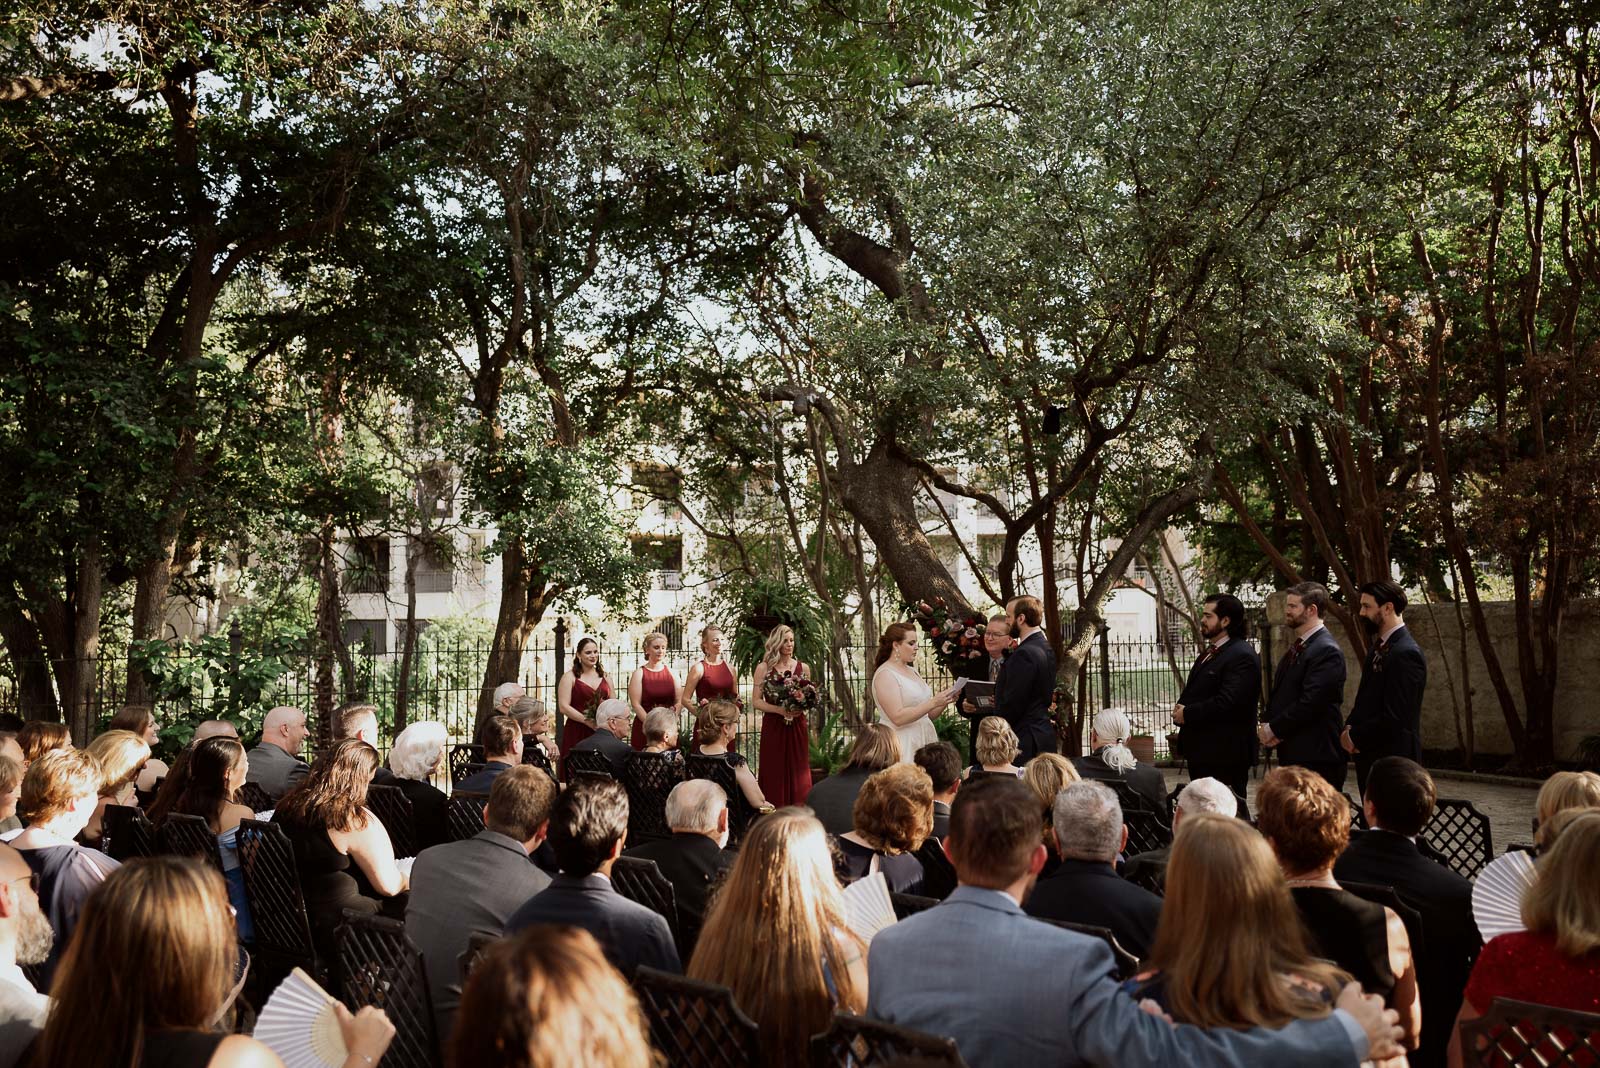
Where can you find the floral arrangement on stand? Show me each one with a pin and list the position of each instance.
(956, 637)
(795, 694)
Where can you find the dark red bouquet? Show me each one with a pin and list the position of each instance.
(956, 637)
(795, 694)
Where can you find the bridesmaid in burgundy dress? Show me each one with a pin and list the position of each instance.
(652, 685)
(712, 677)
(785, 772)
(580, 687)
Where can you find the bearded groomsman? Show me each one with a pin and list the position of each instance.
(1216, 712)
(1303, 720)
(1386, 719)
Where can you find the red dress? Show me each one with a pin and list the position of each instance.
(582, 694)
(785, 772)
(1527, 966)
(656, 690)
(716, 680)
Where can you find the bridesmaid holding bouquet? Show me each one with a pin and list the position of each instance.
(580, 692)
(785, 772)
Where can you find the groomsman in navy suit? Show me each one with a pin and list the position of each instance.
(1216, 712)
(1386, 719)
(1027, 681)
(1303, 720)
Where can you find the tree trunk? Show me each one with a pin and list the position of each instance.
(327, 635)
(522, 606)
(79, 711)
(880, 493)
(36, 696)
(408, 641)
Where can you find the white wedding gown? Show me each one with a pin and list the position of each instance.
(913, 691)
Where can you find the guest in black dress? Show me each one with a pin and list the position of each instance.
(415, 758)
(893, 817)
(165, 920)
(345, 858)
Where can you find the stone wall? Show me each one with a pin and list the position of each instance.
(1444, 708)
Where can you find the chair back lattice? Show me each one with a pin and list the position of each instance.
(1358, 815)
(393, 809)
(380, 966)
(1519, 1034)
(126, 833)
(649, 778)
(277, 907)
(461, 757)
(1127, 795)
(1149, 877)
(1127, 963)
(464, 815)
(696, 1024)
(857, 1042)
(254, 798)
(1461, 835)
(1146, 830)
(719, 771)
(189, 836)
(641, 881)
(532, 754)
(910, 904)
(587, 762)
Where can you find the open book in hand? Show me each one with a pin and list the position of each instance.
(867, 908)
(298, 1024)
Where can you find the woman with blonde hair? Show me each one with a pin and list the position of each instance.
(122, 755)
(652, 684)
(547, 998)
(711, 677)
(893, 816)
(715, 729)
(1047, 775)
(905, 700)
(1556, 961)
(1230, 950)
(776, 936)
(996, 747)
(1562, 791)
(165, 919)
(785, 738)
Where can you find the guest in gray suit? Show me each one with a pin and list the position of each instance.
(1012, 990)
(461, 889)
(275, 764)
(588, 827)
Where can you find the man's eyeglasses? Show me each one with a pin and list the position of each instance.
(32, 879)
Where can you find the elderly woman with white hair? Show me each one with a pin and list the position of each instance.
(1110, 759)
(414, 759)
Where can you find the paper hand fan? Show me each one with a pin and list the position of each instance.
(867, 908)
(297, 1023)
(1497, 894)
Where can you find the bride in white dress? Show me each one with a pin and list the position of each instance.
(905, 701)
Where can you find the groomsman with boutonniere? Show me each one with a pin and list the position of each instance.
(1216, 712)
(1386, 719)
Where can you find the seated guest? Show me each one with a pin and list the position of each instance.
(715, 728)
(1013, 991)
(359, 720)
(25, 938)
(1201, 795)
(1086, 888)
(141, 721)
(1563, 791)
(538, 730)
(418, 751)
(1399, 802)
(834, 798)
(588, 827)
(214, 728)
(776, 936)
(893, 815)
(10, 790)
(613, 720)
(215, 771)
(501, 739)
(1556, 960)
(1307, 823)
(59, 793)
(1230, 950)
(548, 998)
(694, 858)
(462, 889)
(661, 732)
(345, 858)
(942, 762)
(1110, 759)
(38, 738)
(172, 911)
(121, 754)
(275, 764)
(996, 747)
(1047, 775)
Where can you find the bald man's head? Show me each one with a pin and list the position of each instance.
(216, 728)
(285, 727)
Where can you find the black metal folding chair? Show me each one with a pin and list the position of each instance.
(857, 1042)
(393, 809)
(380, 966)
(696, 1024)
(189, 836)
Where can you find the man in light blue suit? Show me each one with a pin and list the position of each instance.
(1013, 990)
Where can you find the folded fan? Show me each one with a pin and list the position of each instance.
(867, 907)
(298, 1024)
(1497, 894)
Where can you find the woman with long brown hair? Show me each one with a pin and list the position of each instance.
(165, 920)
(776, 936)
(1230, 950)
(345, 857)
(905, 700)
(785, 739)
(214, 772)
(38, 738)
(579, 689)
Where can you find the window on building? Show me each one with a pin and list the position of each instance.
(435, 492)
(366, 637)
(672, 627)
(664, 555)
(366, 566)
(435, 568)
(657, 484)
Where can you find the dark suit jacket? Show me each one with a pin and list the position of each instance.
(629, 933)
(692, 863)
(1304, 708)
(1022, 694)
(429, 808)
(480, 781)
(1450, 940)
(1386, 718)
(941, 821)
(1219, 703)
(1145, 780)
(1088, 891)
(274, 770)
(834, 799)
(615, 749)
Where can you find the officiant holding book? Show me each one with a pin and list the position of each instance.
(985, 671)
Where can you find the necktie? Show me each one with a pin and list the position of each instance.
(994, 669)
(1377, 652)
(1211, 651)
(1296, 648)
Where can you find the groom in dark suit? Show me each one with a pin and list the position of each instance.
(1028, 678)
(1386, 719)
(1216, 712)
(1303, 720)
